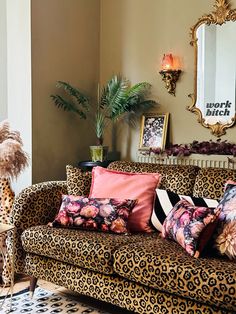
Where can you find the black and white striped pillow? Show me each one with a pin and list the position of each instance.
(166, 200)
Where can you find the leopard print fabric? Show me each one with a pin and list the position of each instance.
(78, 182)
(179, 179)
(38, 205)
(35, 205)
(114, 289)
(210, 182)
(6, 201)
(95, 249)
(163, 264)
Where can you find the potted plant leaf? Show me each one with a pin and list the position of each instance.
(118, 101)
(122, 101)
(80, 104)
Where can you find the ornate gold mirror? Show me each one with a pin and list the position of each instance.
(214, 41)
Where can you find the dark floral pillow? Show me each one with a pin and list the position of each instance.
(185, 223)
(104, 214)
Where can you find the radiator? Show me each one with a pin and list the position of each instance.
(216, 161)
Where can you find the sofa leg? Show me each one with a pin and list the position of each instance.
(33, 282)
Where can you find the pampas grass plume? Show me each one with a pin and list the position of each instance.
(13, 159)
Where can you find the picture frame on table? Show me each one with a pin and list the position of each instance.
(153, 130)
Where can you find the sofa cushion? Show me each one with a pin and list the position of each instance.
(164, 265)
(87, 249)
(186, 223)
(178, 179)
(78, 182)
(108, 183)
(210, 182)
(226, 238)
(166, 200)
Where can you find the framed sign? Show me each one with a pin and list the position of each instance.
(153, 130)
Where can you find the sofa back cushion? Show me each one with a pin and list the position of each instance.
(210, 182)
(107, 183)
(78, 182)
(178, 179)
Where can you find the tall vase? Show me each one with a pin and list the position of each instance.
(98, 153)
(6, 201)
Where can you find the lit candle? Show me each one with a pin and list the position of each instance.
(167, 62)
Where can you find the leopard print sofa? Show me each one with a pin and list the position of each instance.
(140, 272)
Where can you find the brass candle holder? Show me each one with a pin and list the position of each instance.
(170, 77)
(170, 72)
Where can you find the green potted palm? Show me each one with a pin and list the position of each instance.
(118, 101)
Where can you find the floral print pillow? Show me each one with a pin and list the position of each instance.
(226, 232)
(104, 214)
(185, 223)
(227, 205)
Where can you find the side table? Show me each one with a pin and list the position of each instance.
(87, 165)
(4, 229)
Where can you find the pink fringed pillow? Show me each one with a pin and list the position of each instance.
(185, 224)
(140, 186)
(109, 215)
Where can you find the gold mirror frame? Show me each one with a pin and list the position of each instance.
(221, 15)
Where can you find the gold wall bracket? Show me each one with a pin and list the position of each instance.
(170, 77)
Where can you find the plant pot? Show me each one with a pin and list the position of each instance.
(98, 153)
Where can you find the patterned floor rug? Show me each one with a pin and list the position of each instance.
(45, 301)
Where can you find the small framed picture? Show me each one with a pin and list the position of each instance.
(153, 130)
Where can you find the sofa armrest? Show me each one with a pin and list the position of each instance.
(35, 205)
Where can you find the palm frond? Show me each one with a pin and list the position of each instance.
(114, 96)
(141, 106)
(74, 92)
(100, 123)
(140, 90)
(135, 111)
(60, 102)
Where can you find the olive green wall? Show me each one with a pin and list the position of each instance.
(134, 36)
(80, 40)
(65, 46)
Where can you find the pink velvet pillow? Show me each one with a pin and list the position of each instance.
(126, 185)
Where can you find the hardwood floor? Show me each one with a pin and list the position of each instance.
(22, 282)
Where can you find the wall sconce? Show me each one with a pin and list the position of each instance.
(170, 72)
